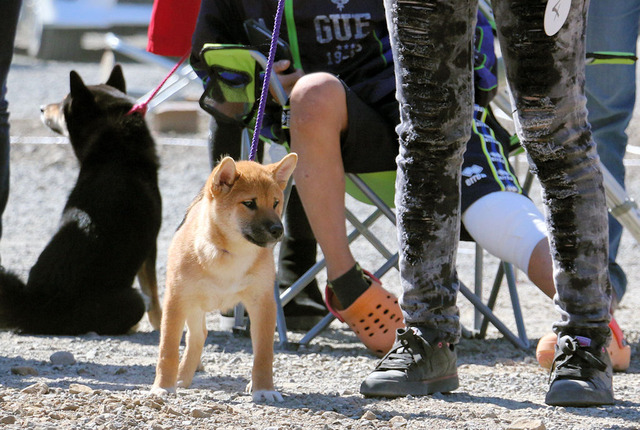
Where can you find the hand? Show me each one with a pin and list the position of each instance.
(287, 80)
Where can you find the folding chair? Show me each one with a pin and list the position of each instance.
(239, 70)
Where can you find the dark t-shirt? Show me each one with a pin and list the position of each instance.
(346, 38)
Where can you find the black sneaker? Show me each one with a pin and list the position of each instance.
(413, 366)
(581, 374)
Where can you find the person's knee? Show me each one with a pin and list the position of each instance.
(318, 99)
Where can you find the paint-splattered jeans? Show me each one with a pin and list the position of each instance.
(432, 42)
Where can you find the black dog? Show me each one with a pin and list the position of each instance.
(83, 279)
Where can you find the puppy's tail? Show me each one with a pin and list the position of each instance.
(14, 300)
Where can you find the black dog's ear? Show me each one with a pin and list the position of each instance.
(79, 91)
(116, 79)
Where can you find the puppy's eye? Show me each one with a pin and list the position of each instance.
(251, 204)
(275, 204)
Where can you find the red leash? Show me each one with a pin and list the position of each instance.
(142, 107)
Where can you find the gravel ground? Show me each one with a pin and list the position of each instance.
(91, 381)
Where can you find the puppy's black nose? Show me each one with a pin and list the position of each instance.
(276, 230)
(42, 108)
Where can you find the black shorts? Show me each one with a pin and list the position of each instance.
(371, 145)
(486, 168)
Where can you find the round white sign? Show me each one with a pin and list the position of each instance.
(555, 15)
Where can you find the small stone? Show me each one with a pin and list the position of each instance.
(369, 416)
(80, 389)
(24, 371)
(56, 415)
(172, 411)
(398, 421)
(330, 415)
(37, 388)
(153, 404)
(9, 419)
(62, 358)
(527, 424)
(199, 413)
(70, 407)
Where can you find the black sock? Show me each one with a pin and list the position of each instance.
(349, 286)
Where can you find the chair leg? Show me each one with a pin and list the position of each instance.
(515, 303)
(493, 296)
(520, 341)
(477, 284)
(488, 313)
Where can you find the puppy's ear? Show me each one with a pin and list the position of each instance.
(223, 177)
(116, 79)
(79, 91)
(283, 170)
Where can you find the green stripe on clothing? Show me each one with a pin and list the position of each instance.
(292, 33)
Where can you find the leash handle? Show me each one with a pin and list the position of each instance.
(142, 107)
(267, 79)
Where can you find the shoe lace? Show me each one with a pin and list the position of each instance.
(571, 358)
(408, 350)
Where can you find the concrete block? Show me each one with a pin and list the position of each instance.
(176, 116)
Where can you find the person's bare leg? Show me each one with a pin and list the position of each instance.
(318, 116)
(541, 268)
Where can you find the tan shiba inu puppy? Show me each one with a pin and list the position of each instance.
(222, 254)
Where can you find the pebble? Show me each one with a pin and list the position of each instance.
(80, 389)
(37, 388)
(199, 413)
(369, 416)
(398, 420)
(527, 424)
(24, 371)
(62, 358)
(8, 419)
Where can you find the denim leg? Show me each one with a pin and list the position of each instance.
(546, 77)
(8, 23)
(432, 47)
(611, 94)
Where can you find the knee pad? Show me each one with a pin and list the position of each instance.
(508, 225)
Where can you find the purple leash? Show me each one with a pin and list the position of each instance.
(265, 83)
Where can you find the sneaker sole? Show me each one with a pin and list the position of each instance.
(585, 400)
(567, 393)
(393, 388)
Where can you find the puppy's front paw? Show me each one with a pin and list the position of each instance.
(162, 392)
(267, 396)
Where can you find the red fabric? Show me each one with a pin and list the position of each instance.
(171, 26)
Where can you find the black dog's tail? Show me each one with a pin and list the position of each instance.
(35, 312)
